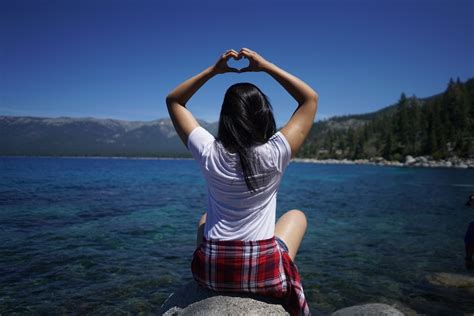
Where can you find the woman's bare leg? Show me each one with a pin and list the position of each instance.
(291, 228)
(200, 230)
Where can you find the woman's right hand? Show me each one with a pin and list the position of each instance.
(256, 62)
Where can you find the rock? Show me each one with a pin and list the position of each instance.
(422, 159)
(228, 305)
(409, 160)
(368, 309)
(451, 280)
(192, 299)
(404, 309)
(377, 159)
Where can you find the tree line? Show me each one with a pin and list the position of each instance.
(441, 126)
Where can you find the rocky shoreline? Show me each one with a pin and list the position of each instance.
(422, 161)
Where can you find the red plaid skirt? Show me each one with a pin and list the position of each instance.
(261, 267)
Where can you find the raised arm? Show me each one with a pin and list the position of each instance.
(301, 121)
(183, 120)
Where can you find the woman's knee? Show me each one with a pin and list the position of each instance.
(298, 217)
(291, 228)
(292, 223)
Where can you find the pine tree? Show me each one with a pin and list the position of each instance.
(414, 129)
(403, 123)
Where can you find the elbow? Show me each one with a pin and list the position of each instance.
(313, 100)
(168, 99)
(171, 99)
(169, 103)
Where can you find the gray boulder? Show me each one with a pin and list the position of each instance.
(422, 159)
(192, 299)
(368, 309)
(409, 160)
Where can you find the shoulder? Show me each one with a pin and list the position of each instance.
(279, 144)
(278, 150)
(199, 135)
(278, 139)
(198, 140)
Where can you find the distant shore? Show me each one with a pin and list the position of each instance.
(103, 157)
(422, 161)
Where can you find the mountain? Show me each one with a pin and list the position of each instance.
(66, 136)
(439, 126)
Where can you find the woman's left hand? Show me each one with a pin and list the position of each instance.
(221, 65)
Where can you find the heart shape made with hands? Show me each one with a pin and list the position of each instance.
(239, 63)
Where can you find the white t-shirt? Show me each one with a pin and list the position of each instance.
(233, 212)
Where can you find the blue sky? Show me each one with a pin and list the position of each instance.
(119, 59)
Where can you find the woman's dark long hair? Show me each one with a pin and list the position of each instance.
(246, 120)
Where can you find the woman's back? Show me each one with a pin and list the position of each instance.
(242, 249)
(233, 211)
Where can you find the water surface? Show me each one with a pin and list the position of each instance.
(116, 235)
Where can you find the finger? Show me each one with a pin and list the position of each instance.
(245, 54)
(234, 53)
(244, 49)
(231, 51)
(227, 53)
(233, 69)
(245, 69)
(231, 54)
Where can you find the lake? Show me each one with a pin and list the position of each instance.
(92, 235)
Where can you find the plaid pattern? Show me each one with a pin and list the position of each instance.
(261, 267)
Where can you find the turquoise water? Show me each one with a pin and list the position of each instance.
(116, 235)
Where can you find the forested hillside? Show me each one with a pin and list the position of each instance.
(440, 126)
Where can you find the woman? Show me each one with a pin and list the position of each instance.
(239, 246)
